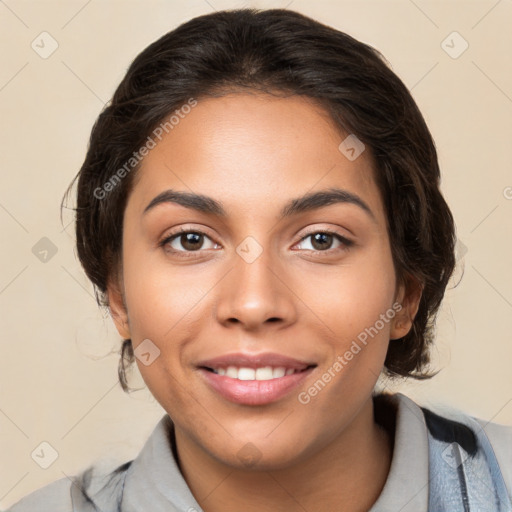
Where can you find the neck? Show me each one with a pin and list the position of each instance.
(358, 458)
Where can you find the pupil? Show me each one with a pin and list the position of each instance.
(320, 239)
(192, 239)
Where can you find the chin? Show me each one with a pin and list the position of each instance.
(260, 454)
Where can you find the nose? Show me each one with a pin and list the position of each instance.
(256, 294)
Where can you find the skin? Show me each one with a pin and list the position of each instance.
(253, 153)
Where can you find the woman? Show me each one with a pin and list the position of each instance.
(259, 209)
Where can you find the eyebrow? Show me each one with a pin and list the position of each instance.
(305, 203)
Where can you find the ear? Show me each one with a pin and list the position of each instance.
(118, 309)
(409, 296)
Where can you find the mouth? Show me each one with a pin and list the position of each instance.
(254, 379)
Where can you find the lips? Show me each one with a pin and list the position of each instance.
(254, 379)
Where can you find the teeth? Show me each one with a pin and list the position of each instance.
(232, 372)
(246, 374)
(264, 373)
(278, 372)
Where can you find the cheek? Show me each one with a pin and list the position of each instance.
(353, 308)
(160, 298)
(351, 298)
(168, 305)
(355, 313)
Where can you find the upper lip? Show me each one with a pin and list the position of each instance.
(260, 360)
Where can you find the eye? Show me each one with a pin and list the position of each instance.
(189, 240)
(322, 241)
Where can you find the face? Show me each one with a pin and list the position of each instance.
(257, 278)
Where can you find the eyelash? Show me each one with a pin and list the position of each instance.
(187, 254)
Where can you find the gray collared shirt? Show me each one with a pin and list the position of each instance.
(154, 483)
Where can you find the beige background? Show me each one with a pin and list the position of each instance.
(59, 367)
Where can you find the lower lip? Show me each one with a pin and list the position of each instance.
(254, 392)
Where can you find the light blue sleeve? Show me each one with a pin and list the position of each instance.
(54, 497)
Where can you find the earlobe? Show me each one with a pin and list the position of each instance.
(404, 318)
(118, 310)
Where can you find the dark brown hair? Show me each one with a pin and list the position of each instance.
(277, 51)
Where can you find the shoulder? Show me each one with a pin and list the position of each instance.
(500, 437)
(474, 434)
(55, 497)
(462, 449)
(94, 489)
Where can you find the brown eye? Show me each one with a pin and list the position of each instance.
(186, 242)
(191, 241)
(322, 241)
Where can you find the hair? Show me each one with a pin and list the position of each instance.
(279, 52)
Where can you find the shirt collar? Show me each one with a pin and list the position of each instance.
(154, 481)
(407, 486)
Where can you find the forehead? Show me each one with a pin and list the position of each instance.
(250, 150)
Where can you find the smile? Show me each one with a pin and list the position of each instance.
(254, 378)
